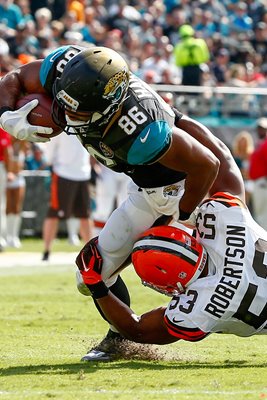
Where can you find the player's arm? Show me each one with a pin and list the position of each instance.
(229, 177)
(148, 328)
(200, 164)
(22, 80)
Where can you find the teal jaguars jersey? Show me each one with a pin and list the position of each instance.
(137, 136)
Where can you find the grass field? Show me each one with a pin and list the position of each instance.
(46, 327)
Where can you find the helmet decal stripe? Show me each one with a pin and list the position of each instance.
(169, 240)
(176, 248)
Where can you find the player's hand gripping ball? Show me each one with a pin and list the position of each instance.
(41, 115)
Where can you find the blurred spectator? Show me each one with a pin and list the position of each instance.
(78, 7)
(5, 175)
(58, 8)
(148, 49)
(92, 30)
(173, 21)
(259, 40)
(155, 64)
(220, 66)
(144, 29)
(114, 40)
(43, 18)
(206, 26)
(36, 4)
(189, 54)
(35, 159)
(242, 148)
(258, 173)
(15, 193)
(100, 9)
(10, 14)
(240, 20)
(6, 62)
(255, 10)
(215, 7)
(69, 195)
(238, 104)
(57, 28)
(25, 8)
(122, 16)
(70, 22)
(71, 37)
(24, 42)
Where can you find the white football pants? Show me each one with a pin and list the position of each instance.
(136, 214)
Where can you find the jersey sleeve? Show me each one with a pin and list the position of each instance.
(150, 144)
(225, 199)
(180, 317)
(192, 334)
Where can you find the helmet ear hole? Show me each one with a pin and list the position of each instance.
(168, 259)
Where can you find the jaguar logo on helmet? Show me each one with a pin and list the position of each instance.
(116, 86)
(68, 100)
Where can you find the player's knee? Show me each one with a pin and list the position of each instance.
(83, 289)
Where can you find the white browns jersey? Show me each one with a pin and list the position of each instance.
(233, 297)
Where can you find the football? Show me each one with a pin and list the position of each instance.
(41, 115)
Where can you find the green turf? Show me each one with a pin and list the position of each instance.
(36, 245)
(46, 326)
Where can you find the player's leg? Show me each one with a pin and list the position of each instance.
(115, 244)
(15, 197)
(259, 202)
(3, 180)
(106, 192)
(61, 198)
(73, 228)
(81, 210)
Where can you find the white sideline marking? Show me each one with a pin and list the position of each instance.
(24, 259)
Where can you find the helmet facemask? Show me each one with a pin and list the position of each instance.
(168, 259)
(69, 125)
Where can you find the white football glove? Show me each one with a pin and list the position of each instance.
(17, 125)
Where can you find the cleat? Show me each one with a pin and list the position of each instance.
(107, 350)
(96, 355)
(46, 256)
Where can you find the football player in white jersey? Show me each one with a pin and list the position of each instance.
(218, 280)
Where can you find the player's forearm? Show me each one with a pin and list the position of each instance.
(228, 178)
(198, 162)
(197, 186)
(148, 328)
(10, 90)
(121, 316)
(22, 80)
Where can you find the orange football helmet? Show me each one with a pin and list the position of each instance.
(168, 259)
